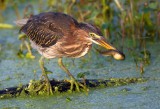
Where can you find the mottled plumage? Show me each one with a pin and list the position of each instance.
(58, 35)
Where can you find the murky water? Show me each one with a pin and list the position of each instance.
(15, 71)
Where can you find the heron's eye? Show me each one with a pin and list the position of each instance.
(93, 35)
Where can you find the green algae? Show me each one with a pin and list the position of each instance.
(6, 96)
(144, 95)
(36, 88)
(23, 53)
(39, 88)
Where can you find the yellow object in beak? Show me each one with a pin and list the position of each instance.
(112, 51)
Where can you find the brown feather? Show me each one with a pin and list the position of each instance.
(46, 28)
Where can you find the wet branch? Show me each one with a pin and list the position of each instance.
(38, 87)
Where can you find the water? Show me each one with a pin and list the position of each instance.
(15, 71)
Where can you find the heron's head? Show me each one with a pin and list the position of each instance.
(112, 51)
(96, 37)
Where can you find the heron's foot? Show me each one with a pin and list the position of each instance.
(78, 86)
(48, 86)
(45, 76)
(39, 87)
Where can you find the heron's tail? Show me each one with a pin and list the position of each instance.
(21, 22)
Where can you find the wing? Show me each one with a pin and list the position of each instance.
(42, 32)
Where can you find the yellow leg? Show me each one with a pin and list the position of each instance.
(73, 80)
(49, 87)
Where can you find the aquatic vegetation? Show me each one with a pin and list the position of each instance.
(23, 45)
(6, 26)
(129, 24)
(36, 87)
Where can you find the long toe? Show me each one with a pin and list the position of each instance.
(78, 86)
(49, 88)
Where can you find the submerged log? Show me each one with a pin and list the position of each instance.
(39, 87)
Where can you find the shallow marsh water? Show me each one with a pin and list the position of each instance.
(15, 71)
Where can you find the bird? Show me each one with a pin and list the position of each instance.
(59, 35)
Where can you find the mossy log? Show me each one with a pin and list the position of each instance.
(39, 87)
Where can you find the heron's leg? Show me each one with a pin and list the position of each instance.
(49, 87)
(73, 80)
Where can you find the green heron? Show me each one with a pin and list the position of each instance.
(58, 35)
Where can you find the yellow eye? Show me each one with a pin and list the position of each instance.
(92, 34)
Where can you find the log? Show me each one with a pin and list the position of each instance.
(59, 86)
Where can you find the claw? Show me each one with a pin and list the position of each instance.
(48, 84)
(78, 85)
(49, 88)
(73, 81)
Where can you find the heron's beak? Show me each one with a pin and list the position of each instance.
(112, 51)
(102, 42)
